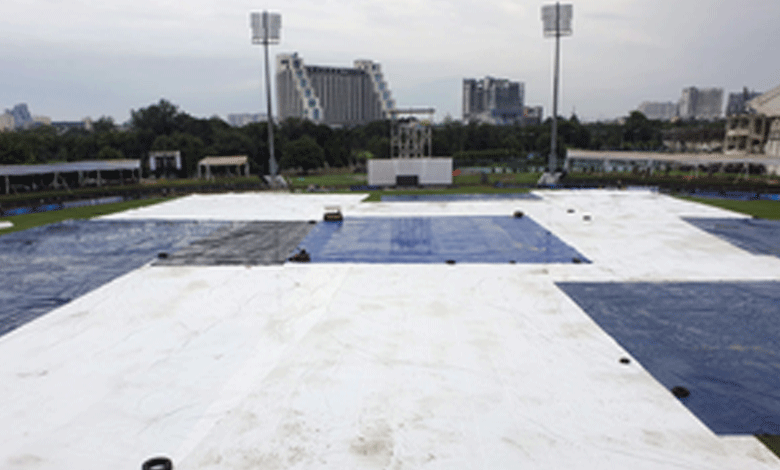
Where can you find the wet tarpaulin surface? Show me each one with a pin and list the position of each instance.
(719, 340)
(242, 243)
(457, 197)
(437, 240)
(758, 236)
(45, 267)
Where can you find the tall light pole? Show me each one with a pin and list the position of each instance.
(557, 22)
(266, 29)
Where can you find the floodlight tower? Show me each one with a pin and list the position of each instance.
(266, 28)
(557, 22)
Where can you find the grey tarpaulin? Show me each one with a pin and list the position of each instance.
(45, 267)
(720, 340)
(242, 243)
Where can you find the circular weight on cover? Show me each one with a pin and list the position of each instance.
(518, 214)
(576, 260)
(450, 261)
(312, 222)
(680, 392)
(570, 211)
(586, 218)
(162, 255)
(511, 261)
(625, 360)
(158, 463)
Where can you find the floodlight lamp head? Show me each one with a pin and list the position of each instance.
(563, 14)
(266, 27)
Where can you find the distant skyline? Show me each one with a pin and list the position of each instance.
(74, 59)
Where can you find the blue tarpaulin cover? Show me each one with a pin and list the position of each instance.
(719, 340)
(45, 267)
(758, 236)
(735, 195)
(436, 240)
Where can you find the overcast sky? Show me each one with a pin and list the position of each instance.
(70, 59)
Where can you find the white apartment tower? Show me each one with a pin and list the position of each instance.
(336, 96)
(701, 103)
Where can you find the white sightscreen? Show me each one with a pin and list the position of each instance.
(429, 171)
(548, 19)
(258, 27)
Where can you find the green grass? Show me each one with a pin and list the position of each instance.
(771, 442)
(461, 184)
(335, 181)
(376, 196)
(468, 184)
(493, 178)
(762, 209)
(727, 181)
(345, 180)
(25, 221)
(185, 182)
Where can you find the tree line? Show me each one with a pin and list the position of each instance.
(301, 144)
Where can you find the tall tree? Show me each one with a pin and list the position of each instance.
(303, 153)
(162, 118)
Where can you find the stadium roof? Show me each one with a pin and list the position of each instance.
(225, 161)
(71, 167)
(767, 103)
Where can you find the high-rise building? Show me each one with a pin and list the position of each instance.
(737, 103)
(493, 100)
(701, 103)
(21, 115)
(660, 111)
(336, 96)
